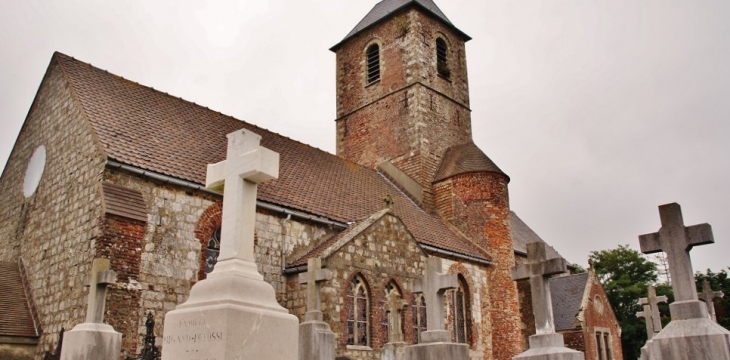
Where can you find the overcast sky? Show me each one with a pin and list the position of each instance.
(598, 110)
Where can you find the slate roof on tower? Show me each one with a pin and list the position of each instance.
(153, 131)
(387, 8)
(462, 159)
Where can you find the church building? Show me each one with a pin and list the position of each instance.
(105, 167)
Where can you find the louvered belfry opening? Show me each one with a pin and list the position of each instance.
(442, 61)
(373, 57)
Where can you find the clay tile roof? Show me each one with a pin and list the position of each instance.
(124, 202)
(463, 159)
(566, 293)
(15, 315)
(523, 235)
(151, 130)
(386, 8)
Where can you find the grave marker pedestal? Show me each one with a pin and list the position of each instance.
(690, 334)
(316, 339)
(233, 314)
(93, 339)
(395, 348)
(546, 344)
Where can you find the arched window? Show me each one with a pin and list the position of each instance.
(373, 63)
(214, 248)
(357, 312)
(460, 309)
(442, 59)
(419, 317)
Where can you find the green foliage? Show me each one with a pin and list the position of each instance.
(718, 282)
(625, 275)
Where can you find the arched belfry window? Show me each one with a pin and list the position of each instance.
(460, 309)
(357, 312)
(373, 63)
(214, 248)
(419, 317)
(442, 58)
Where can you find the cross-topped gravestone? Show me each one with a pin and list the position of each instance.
(676, 241)
(246, 165)
(653, 302)
(709, 296)
(100, 278)
(538, 269)
(648, 317)
(313, 277)
(394, 306)
(433, 285)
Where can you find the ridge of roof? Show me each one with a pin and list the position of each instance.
(157, 132)
(465, 158)
(388, 8)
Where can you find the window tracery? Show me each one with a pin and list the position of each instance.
(357, 312)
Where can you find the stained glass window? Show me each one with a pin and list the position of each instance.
(419, 317)
(214, 248)
(357, 313)
(459, 302)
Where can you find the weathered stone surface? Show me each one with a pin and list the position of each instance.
(433, 285)
(549, 347)
(91, 341)
(694, 338)
(316, 341)
(709, 296)
(394, 351)
(437, 351)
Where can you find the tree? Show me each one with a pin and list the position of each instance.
(625, 274)
(719, 282)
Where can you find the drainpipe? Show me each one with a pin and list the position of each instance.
(284, 232)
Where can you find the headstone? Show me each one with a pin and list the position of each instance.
(394, 349)
(709, 296)
(316, 340)
(690, 334)
(653, 301)
(435, 341)
(233, 314)
(93, 339)
(546, 344)
(649, 319)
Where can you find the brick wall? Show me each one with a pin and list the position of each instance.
(53, 230)
(600, 317)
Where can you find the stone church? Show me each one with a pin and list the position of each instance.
(105, 167)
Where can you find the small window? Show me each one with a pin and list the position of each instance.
(373, 63)
(442, 58)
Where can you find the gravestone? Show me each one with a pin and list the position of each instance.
(233, 314)
(648, 319)
(435, 341)
(394, 349)
(690, 334)
(652, 317)
(709, 296)
(546, 344)
(93, 339)
(316, 340)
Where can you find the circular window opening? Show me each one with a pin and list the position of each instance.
(34, 172)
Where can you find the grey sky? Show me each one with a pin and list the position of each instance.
(599, 111)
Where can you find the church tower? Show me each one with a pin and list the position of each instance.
(402, 91)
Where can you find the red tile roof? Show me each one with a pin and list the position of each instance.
(15, 316)
(151, 130)
(463, 159)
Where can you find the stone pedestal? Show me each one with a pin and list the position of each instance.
(91, 341)
(549, 347)
(231, 315)
(436, 346)
(690, 335)
(316, 341)
(394, 351)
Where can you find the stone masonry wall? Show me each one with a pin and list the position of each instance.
(53, 230)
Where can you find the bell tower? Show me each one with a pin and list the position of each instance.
(402, 91)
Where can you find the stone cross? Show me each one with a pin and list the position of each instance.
(101, 276)
(313, 277)
(394, 307)
(648, 317)
(709, 296)
(676, 241)
(538, 269)
(433, 286)
(653, 302)
(246, 165)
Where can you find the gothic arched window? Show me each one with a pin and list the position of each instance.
(373, 63)
(442, 58)
(419, 317)
(357, 312)
(460, 310)
(214, 248)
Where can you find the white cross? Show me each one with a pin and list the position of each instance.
(314, 275)
(433, 285)
(648, 318)
(246, 165)
(538, 269)
(101, 276)
(709, 296)
(676, 241)
(653, 303)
